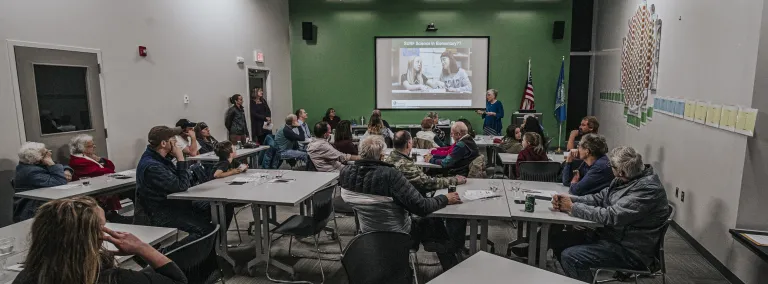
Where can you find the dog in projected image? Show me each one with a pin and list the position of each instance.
(441, 72)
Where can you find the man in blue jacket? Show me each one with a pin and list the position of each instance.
(36, 169)
(595, 172)
(157, 177)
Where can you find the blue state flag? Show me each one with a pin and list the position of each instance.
(560, 95)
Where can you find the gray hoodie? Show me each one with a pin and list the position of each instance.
(632, 212)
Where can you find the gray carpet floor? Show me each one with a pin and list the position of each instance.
(684, 264)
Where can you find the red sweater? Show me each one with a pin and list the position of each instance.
(86, 168)
(529, 155)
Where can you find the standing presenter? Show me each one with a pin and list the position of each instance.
(492, 114)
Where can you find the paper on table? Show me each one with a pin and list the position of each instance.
(701, 112)
(543, 193)
(127, 173)
(760, 240)
(728, 118)
(713, 115)
(244, 179)
(745, 121)
(479, 194)
(690, 109)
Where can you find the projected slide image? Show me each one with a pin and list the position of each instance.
(431, 72)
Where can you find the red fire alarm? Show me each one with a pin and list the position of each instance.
(142, 51)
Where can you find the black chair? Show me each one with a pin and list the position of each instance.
(379, 258)
(658, 268)
(305, 226)
(198, 259)
(540, 171)
(346, 210)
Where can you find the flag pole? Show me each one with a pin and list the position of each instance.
(560, 128)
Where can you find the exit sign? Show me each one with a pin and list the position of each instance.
(258, 56)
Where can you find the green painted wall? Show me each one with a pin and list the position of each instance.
(337, 70)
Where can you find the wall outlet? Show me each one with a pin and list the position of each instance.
(677, 192)
(682, 197)
(186, 99)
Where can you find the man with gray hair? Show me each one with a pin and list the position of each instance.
(633, 210)
(464, 152)
(384, 199)
(287, 141)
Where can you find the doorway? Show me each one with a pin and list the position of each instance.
(59, 95)
(257, 79)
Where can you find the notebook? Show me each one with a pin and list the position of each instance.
(760, 240)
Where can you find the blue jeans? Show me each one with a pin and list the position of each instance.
(581, 250)
(294, 154)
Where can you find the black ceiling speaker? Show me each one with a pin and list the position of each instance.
(307, 32)
(558, 31)
(431, 27)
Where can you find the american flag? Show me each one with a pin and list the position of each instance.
(527, 102)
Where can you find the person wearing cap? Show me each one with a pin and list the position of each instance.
(205, 141)
(186, 140)
(157, 177)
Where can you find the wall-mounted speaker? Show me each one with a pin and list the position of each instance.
(307, 32)
(558, 30)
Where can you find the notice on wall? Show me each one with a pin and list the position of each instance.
(745, 121)
(690, 109)
(728, 118)
(701, 112)
(713, 115)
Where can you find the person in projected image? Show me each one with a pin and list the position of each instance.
(453, 77)
(415, 80)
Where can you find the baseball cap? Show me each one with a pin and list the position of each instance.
(185, 123)
(161, 133)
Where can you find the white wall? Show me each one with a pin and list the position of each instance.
(192, 48)
(708, 52)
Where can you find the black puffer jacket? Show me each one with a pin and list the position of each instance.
(380, 178)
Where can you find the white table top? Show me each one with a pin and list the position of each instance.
(262, 191)
(543, 211)
(486, 209)
(97, 185)
(485, 140)
(484, 267)
(507, 158)
(211, 156)
(20, 231)
(419, 159)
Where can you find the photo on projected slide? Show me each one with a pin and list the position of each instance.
(431, 72)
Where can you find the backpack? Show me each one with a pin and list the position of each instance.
(271, 157)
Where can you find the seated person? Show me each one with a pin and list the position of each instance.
(64, 247)
(86, 163)
(426, 133)
(511, 142)
(532, 124)
(377, 112)
(331, 118)
(463, 153)
(287, 141)
(157, 177)
(594, 174)
(588, 125)
(36, 169)
(470, 130)
(632, 210)
(401, 158)
(377, 127)
(323, 155)
(227, 165)
(439, 133)
(342, 140)
(384, 199)
(533, 150)
(205, 140)
(301, 116)
(186, 140)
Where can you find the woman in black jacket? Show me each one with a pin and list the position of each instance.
(205, 140)
(235, 120)
(67, 237)
(260, 113)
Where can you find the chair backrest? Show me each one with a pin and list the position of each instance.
(197, 259)
(378, 258)
(322, 207)
(660, 248)
(540, 171)
(419, 143)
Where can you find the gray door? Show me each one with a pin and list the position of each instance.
(60, 98)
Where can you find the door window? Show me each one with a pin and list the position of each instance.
(62, 98)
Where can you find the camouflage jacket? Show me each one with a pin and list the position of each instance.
(421, 181)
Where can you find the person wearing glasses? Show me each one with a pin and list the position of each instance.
(594, 174)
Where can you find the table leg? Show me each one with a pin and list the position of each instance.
(544, 245)
(533, 227)
(255, 209)
(265, 225)
(217, 217)
(484, 235)
(472, 236)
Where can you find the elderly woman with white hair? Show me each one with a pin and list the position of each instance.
(87, 164)
(633, 211)
(36, 169)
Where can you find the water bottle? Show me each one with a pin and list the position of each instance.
(239, 145)
(362, 120)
